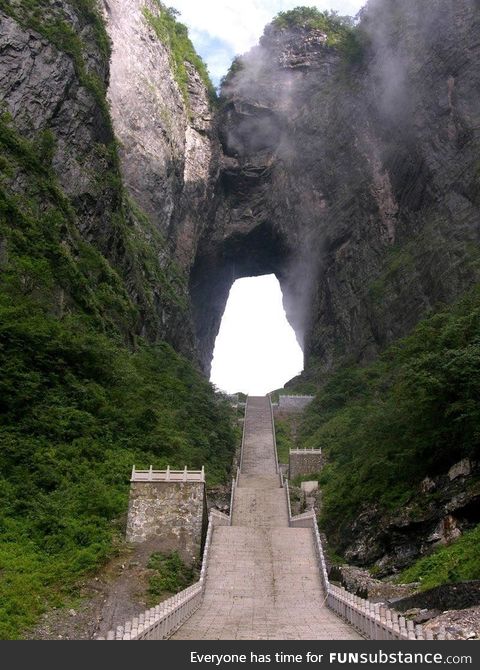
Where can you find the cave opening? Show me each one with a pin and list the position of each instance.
(256, 350)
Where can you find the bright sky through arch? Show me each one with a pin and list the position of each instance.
(223, 29)
(256, 349)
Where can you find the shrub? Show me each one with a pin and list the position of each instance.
(413, 413)
(174, 35)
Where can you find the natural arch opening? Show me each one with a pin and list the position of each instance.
(256, 350)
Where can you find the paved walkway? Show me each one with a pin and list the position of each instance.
(263, 581)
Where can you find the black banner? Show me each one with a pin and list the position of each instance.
(210, 655)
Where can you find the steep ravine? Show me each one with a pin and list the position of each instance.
(343, 160)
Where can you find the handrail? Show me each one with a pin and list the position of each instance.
(287, 493)
(232, 494)
(167, 475)
(274, 437)
(243, 434)
(301, 397)
(161, 622)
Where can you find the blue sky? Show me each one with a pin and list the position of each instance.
(222, 29)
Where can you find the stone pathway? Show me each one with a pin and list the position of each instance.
(263, 581)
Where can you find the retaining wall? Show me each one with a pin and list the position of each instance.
(294, 403)
(304, 462)
(172, 513)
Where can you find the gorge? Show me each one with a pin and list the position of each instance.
(341, 157)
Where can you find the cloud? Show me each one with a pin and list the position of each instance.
(221, 29)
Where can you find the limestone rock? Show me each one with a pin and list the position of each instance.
(461, 469)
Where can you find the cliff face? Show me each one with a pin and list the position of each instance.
(135, 170)
(96, 238)
(352, 173)
(347, 169)
(165, 131)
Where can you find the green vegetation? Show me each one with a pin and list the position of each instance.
(413, 413)
(174, 35)
(284, 433)
(236, 67)
(399, 266)
(171, 576)
(340, 30)
(458, 562)
(82, 397)
(77, 407)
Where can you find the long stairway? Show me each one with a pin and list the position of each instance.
(263, 581)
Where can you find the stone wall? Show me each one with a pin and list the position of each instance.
(294, 403)
(304, 462)
(170, 515)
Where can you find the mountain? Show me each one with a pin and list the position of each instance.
(341, 156)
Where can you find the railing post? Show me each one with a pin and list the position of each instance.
(167, 476)
(402, 622)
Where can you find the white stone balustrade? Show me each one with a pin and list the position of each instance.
(372, 621)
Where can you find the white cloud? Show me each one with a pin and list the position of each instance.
(256, 350)
(220, 29)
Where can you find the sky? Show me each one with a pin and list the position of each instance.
(223, 29)
(256, 349)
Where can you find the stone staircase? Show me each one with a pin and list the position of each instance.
(263, 580)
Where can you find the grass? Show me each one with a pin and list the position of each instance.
(285, 437)
(171, 575)
(458, 562)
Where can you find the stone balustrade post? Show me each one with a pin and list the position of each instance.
(411, 630)
(402, 622)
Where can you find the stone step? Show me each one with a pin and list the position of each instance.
(260, 508)
(259, 482)
(262, 579)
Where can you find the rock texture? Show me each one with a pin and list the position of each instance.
(354, 180)
(168, 514)
(437, 515)
(137, 176)
(353, 176)
(167, 143)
